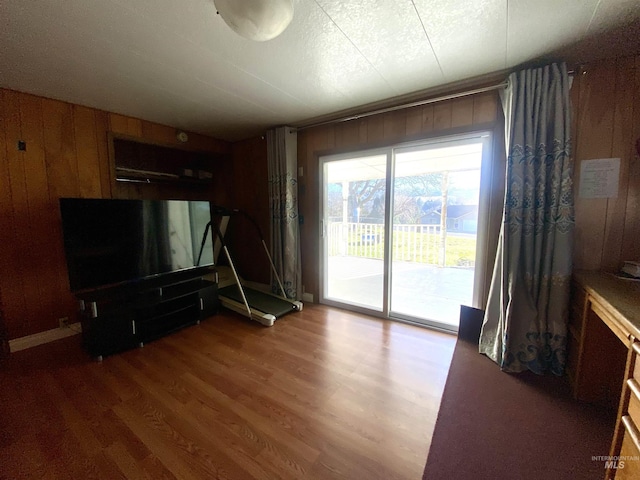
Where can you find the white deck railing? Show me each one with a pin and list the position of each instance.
(411, 243)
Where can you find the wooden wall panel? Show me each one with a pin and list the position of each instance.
(485, 108)
(60, 149)
(621, 146)
(119, 124)
(11, 190)
(347, 132)
(631, 236)
(43, 264)
(158, 133)
(89, 174)
(310, 143)
(443, 118)
(63, 180)
(428, 118)
(595, 131)
(38, 211)
(395, 125)
(35, 168)
(125, 125)
(375, 128)
(67, 155)
(251, 194)
(414, 121)
(607, 110)
(107, 178)
(462, 112)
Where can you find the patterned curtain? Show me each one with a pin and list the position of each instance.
(525, 322)
(282, 146)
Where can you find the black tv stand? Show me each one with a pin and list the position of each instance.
(121, 317)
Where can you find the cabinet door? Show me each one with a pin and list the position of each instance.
(109, 333)
(208, 301)
(578, 308)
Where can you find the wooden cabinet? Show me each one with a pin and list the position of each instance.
(577, 313)
(597, 352)
(603, 360)
(626, 443)
(122, 317)
(142, 162)
(627, 463)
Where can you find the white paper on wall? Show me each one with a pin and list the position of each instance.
(599, 178)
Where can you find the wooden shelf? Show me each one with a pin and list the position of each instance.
(145, 163)
(134, 174)
(125, 174)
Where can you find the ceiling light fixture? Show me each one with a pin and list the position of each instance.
(258, 20)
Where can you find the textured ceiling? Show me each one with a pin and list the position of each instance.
(175, 62)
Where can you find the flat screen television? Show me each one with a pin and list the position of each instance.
(111, 241)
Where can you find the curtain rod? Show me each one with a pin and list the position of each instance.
(408, 105)
(418, 103)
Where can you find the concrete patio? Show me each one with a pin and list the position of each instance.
(423, 291)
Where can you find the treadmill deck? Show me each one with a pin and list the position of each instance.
(258, 300)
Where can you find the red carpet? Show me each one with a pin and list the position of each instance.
(493, 425)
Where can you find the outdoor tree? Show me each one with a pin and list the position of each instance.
(409, 195)
(334, 200)
(407, 209)
(368, 195)
(362, 196)
(425, 185)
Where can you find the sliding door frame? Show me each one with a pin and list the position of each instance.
(484, 217)
(323, 160)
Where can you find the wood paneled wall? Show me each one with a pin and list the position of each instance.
(606, 100)
(67, 155)
(470, 113)
(4, 334)
(251, 194)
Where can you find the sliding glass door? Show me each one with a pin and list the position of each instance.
(354, 230)
(400, 229)
(435, 205)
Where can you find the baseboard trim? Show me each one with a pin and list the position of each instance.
(47, 336)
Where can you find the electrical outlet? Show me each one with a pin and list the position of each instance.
(64, 322)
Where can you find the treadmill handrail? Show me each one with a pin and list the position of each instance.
(225, 212)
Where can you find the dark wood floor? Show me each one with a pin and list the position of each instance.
(323, 394)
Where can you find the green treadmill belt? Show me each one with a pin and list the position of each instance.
(258, 300)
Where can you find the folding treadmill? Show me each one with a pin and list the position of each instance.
(234, 293)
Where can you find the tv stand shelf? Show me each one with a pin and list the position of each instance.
(125, 316)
